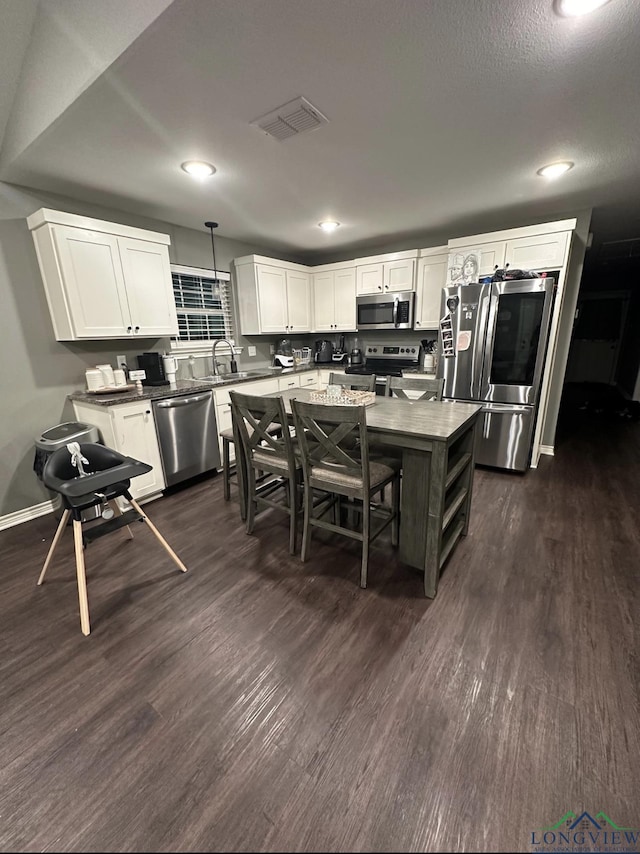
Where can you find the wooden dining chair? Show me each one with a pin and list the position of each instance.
(270, 463)
(427, 388)
(335, 464)
(361, 382)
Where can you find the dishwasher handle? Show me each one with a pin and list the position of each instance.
(182, 401)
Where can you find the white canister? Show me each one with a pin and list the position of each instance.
(429, 363)
(108, 379)
(120, 377)
(94, 379)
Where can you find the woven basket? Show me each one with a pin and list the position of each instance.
(347, 397)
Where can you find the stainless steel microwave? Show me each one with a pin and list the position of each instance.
(385, 311)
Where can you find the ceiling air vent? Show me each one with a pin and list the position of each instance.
(292, 119)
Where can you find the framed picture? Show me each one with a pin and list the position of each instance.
(464, 266)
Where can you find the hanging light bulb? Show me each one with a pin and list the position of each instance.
(211, 225)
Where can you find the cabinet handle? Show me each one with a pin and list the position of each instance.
(417, 323)
(379, 288)
(137, 329)
(129, 328)
(147, 412)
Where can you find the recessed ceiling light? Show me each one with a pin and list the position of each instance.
(198, 168)
(573, 8)
(554, 170)
(329, 225)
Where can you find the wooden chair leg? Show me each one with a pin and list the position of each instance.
(251, 498)
(165, 545)
(306, 529)
(116, 509)
(395, 502)
(85, 625)
(366, 512)
(54, 543)
(226, 468)
(293, 515)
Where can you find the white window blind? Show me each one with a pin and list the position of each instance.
(203, 305)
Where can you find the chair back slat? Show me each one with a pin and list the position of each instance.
(254, 417)
(333, 438)
(359, 382)
(431, 388)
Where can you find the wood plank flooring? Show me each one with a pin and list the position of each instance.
(259, 704)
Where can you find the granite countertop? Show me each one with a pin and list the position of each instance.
(184, 387)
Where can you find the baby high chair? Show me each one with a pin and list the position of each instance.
(87, 475)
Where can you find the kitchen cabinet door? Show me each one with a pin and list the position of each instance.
(542, 252)
(432, 276)
(147, 277)
(298, 302)
(272, 298)
(492, 255)
(399, 275)
(323, 302)
(135, 433)
(344, 300)
(93, 280)
(369, 278)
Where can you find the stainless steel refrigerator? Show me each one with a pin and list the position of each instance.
(493, 341)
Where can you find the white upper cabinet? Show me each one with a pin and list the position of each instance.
(103, 280)
(273, 297)
(386, 276)
(334, 300)
(93, 284)
(298, 301)
(540, 252)
(147, 274)
(432, 276)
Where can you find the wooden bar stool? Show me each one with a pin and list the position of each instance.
(231, 470)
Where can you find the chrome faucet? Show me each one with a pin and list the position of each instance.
(233, 365)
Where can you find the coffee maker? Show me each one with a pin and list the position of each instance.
(323, 352)
(152, 365)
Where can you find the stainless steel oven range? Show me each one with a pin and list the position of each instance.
(386, 360)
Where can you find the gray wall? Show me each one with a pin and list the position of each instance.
(37, 371)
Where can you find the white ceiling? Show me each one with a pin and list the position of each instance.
(439, 110)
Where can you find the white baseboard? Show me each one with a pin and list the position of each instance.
(548, 450)
(20, 516)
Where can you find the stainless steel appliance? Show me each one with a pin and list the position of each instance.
(384, 360)
(187, 435)
(283, 357)
(493, 341)
(385, 311)
(323, 352)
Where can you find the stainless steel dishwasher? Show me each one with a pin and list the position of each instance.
(187, 435)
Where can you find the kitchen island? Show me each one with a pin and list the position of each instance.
(437, 442)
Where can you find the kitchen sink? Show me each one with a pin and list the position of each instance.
(214, 379)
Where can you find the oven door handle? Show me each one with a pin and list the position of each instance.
(396, 302)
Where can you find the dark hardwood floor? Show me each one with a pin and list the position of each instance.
(259, 704)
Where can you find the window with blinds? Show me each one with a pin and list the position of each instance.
(203, 305)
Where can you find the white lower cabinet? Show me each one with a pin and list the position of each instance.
(285, 383)
(129, 428)
(309, 379)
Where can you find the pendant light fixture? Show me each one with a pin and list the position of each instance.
(211, 225)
